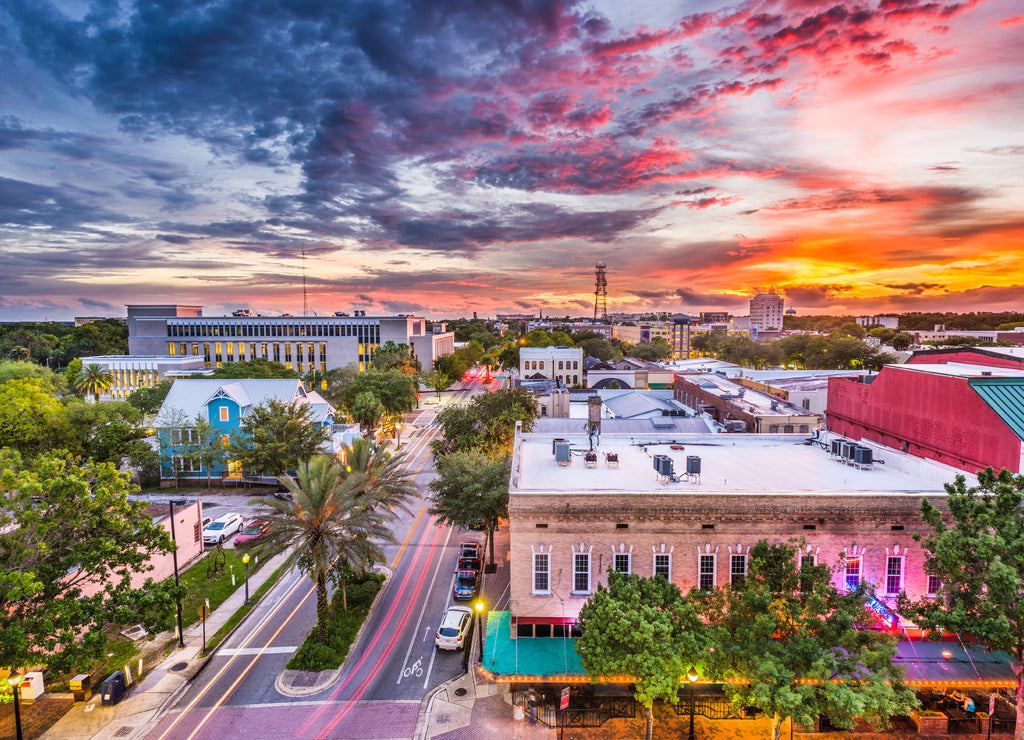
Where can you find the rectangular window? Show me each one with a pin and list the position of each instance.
(224, 440)
(287, 355)
(581, 573)
(852, 573)
(706, 575)
(893, 575)
(541, 567)
(206, 355)
(663, 566)
(622, 562)
(934, 584)
(737, 569)
(223, 413)
(195, 350)
(231, 351)
(172, 349)
(277, 352)
(217, 353)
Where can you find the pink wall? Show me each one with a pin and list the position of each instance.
(966, 357)
(931, 416)
(187, 519)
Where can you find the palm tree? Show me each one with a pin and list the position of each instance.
(332, 525)
(93, 379)
(382, 479)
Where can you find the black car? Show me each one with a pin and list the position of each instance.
(467, 583)
(470, 556)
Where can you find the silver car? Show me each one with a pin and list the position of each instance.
(451, 635)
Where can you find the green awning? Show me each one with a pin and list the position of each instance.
(1005, 396)
(950, 664)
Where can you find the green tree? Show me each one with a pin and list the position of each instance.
(332, 523)
(977, 554)
(379, 475)
(537, 338)
(148, 400)
(275, 437)
(336, 383)
(69, 530)
(487, 422)
(508, 357)
(436, 381)
(852, 329)
(255, 368)
(882, 333)
(31, 419)
(657, 349)
(106, 432)
(398, 357)
(902, 341)
(93, 379)
(53, 382)
(72, 371)
(395, 390)
(471, 488)
(367, 411)
(206, 447)
(598, 347)
(643, 628)
(798, 644)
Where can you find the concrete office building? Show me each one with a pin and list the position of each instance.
(562, 363)
(766, 311)
(300, 343)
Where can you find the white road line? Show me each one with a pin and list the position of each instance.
(259, 651)
(423, 607)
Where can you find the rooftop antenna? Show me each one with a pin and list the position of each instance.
(600, 292)
(305, 300)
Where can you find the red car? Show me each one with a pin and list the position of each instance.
(255, 528)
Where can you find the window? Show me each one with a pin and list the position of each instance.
(852, 573)
(622, 562)
(172, 349)
(893, 575)
(581, 573)
(934, 584)
(737, 569)
(231, 351)
(224, 440)
(223, 413)
(663, 566)
(806, 572)
(560, 363)
(706, 574)
(196, 532)
(541, 569)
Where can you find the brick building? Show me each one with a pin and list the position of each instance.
(572, 518)
(743, 409)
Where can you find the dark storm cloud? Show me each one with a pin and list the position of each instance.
(65, 208)
(690, 297)
(91, 303)
(813, 296)
(914, 288)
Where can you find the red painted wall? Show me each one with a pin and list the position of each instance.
(966, 357)
(931, 416)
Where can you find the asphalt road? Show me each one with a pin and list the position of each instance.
(389, 670)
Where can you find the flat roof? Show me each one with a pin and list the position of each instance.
(963, 370)
(730, 464)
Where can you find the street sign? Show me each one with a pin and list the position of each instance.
(565, 699)
(204, 612)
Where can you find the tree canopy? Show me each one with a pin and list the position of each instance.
(487, 422)
(796, 642)
(977, 555)
(68, 526)
(92, 380)
(645, 629)
(394, 389)
(275, 437)
(31, 419)
(471, 489)
(257, 367)
(148, 400)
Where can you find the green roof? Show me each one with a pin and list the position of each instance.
(1005, 396)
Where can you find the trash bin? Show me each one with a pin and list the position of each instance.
(81, 687)
(31, 687)
(112, 689)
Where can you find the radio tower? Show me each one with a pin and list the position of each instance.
(600, 292)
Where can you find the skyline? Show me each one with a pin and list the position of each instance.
(449, 157)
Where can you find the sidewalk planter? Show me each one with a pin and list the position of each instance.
(983, 722)
(932, 722)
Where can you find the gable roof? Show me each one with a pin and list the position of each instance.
(190, 397)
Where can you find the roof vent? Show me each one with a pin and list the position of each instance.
(986, 372)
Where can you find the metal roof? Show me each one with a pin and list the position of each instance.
(189, 397)
(1005, 396)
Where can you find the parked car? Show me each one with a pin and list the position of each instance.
(469, 555)
(221, 528)
(451, 635)
(283, 495)
(256, 528)
(467, 583)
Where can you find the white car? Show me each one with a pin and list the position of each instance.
(451, 635)
(220, 529)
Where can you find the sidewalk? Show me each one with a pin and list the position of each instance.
(150, 697)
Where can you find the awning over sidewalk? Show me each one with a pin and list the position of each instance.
(947, 664)
(927, 664)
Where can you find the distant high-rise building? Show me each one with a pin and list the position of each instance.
(766, 311)
(600, 292)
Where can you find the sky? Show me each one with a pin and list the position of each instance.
(447, 157)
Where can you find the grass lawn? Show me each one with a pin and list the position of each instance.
(202, 581)
(342, 627)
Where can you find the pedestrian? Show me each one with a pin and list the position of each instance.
(533, 707)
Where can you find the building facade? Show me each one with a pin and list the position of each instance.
(562, 363)
(575, 513)
(128, 373)
(743, 409)
(304, 344)
(766, 312)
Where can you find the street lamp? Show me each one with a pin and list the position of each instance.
(398, 434)
(17, 704)
(691, 676)
(479, 606)
(245, 562)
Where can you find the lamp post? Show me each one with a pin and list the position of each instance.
(479, 606)
(245, 562)
(17, 705)
(398, 434)
(691, 676)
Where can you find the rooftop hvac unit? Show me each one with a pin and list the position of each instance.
(863, 456)
(837, 447)
(555, 441)
(692, 465)
(848, 448)
(561, 450)
(663, 464)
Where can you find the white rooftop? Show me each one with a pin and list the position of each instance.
(749, 400)
(964, 370)
(730, 464)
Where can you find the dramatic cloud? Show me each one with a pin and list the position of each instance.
(450, 157)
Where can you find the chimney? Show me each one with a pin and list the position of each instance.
(594, 405)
